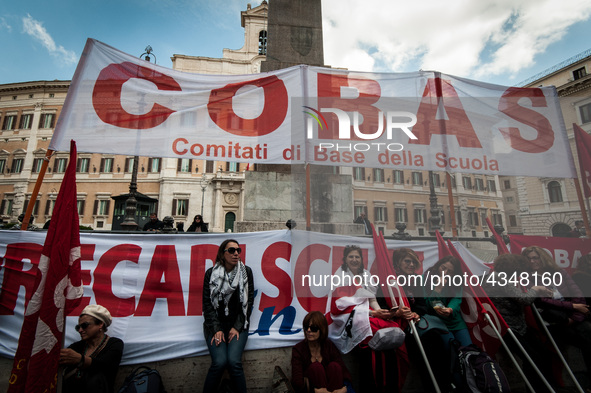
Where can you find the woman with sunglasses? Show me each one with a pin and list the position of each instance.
(198, 225)
(228, 297)
(316, 363)
(92, 363)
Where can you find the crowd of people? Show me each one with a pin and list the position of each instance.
(357, 315)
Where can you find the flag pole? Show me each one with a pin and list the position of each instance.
(31, 206)
(452, 210)
(551, 339)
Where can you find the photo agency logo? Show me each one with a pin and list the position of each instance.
(348, 135)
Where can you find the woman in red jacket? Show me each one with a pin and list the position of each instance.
(318, 360)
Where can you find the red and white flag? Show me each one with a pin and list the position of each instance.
(583, 141)
(59, 292)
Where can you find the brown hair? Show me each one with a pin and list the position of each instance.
(318, 319)
(220, 255)
(511, 263)
(402, 253)
(454, 261)
(548, 263)
(347, 251)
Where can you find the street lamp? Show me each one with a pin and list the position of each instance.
(204, 182)
(129, 224)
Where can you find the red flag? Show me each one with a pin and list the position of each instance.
(441, 246)
(475, 304)
(386, 270)
(59, 291)
(501, 246)
(583, 142)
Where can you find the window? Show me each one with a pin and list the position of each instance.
(420, 215)
(360, 209)
(9, 122)
(209, 166)
(106, 165)
(154, 165)
(82, 165)
(35, 208)
(129, 164)
(436, 179)
(232, 166)
(479, 184)
(585, 111)
(17, 165)
(507, 184)
(263, 42)
(49, 205)
(60, 165)
(26, 121)
(378, 175)
(37, 164)
(101, 207)
(555, 191)
(510, 199)
(184, 165)
(6, 207)
(512, 221)
(398, 177)
(472, 218)
(417, 179)
(497, 219)
(359, 174)
(492, 187)
(380, 213)
(467, 183)
(483, 217)
(2, 166)
(579, 73)
(80, 206)
(400, 214)
(47, 120)
(180, 207)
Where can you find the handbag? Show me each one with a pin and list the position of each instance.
(431, 322)
(387, 338)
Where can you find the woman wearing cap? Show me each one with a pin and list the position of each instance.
(228, 297)
(92, 363)
(316, 363)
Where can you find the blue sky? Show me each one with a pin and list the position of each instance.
(498, 41)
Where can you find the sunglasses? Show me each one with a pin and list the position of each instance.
(410, 262)
(232, 250)
(82, 326)
(313, 328)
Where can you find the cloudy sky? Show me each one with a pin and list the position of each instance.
(500, 41)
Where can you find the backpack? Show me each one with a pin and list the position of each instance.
(143, 380)
(480, 373)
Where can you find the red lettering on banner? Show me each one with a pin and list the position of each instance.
(200, 254)
(164, 264)
(458, 124)
(86, 254)
(509, 105)
(329, 96)
(274, 110)
(277, 277)
(103, 285)
(306, 298)
(106, 96)
(16, 258)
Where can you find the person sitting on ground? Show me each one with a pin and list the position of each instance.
(316, 363)
(198, 225)
(154, 224)
(92, 363)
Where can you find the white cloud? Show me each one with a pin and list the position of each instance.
(460, 37)
(4, 25)
(36, 30)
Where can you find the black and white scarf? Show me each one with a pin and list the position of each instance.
(223, 284)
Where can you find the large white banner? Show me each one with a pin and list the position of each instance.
(152, 285)
(424, 120)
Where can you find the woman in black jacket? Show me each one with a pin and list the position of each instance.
(198, 225)
(228, 297)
